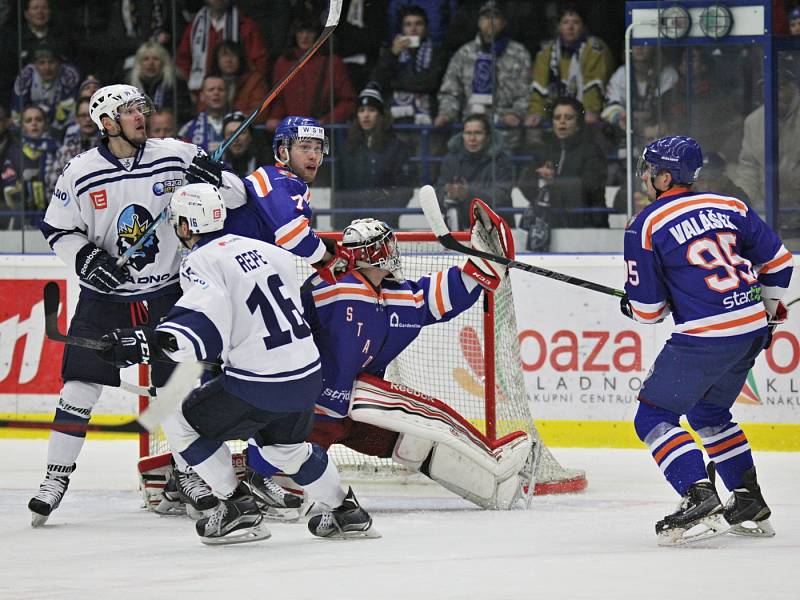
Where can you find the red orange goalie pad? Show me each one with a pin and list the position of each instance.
(491, 234)
(435, 439)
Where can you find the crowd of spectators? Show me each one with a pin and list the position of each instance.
(504, 94)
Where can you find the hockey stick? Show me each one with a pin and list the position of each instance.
(330, 25)
(51, 308)
(430, 206)
(52, 303)
(146, 235)
(181, 382)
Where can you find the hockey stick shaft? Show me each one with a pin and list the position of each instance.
(51, 309)
(181, 382)
(330, 25)
(146, 235)
(430, 206)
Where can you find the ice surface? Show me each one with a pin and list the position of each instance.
(595, 545)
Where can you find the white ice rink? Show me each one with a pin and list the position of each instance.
(595, 545)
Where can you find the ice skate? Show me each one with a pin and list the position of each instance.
(275, 501)
(346, 521)
(235, 520)
(51, 492)
(195, 493)
(747, 511)
(171, 503)
(699, 517)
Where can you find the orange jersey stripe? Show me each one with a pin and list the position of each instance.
(716, 448)
(728, 324)
(439, 298)
(682, 438)
(343, 290)
(261, 182)
(646, 315)
(776, 262)
(293, 233)
(680, 205)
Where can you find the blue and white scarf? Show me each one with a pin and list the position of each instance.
(411, 104)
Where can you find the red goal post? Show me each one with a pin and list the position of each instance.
(472, 363)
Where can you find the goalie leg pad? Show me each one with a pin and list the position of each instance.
(462, 459)
(411, 451)
(154, 472)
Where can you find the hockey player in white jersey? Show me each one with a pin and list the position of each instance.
(103, 201)
(241, 302)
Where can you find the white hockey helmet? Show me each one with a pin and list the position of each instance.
(108, 100)
(373, 244)
(201, 205)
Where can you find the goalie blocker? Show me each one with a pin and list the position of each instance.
(437, 441)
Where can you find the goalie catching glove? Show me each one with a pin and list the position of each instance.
(340, 262)
(490, 234)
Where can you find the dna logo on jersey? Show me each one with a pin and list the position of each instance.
(131, 224)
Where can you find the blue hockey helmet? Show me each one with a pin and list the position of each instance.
(298, 128)
(678, 154)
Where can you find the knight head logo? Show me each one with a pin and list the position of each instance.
(131, 224)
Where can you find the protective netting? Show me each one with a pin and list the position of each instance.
(448, 361)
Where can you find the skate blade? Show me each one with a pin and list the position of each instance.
(38, 520)
(283, 515)
(753, 529)
(704, 529)
(170, 508)
(370, 533)
(242, 536)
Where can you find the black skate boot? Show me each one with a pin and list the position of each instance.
(171, 503)
(51, 491)
(747, 505)
(235, 520)
(348, 520)
(276, 502)
(195, 493)
(699, 517)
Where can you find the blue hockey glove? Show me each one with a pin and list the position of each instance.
(130, 346)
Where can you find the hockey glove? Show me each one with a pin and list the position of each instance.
(204, 170)
(341, 261)
(625, 307)
(99, 269)
(488, 233)
(777, 313)
(130, 346)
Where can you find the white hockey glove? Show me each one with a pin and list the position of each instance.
(490, 234)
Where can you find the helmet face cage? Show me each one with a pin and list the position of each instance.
(373, 243)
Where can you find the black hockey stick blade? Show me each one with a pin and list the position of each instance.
(52, 305)
(182, 381)
(430, 207)
(330, 25)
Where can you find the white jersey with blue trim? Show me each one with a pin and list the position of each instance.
(109, 202)
(707, 259)
(241, 302)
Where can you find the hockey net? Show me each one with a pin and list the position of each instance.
(471, 363)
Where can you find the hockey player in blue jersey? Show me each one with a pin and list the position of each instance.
(103, 201)
(366, 319)
(277, 208)
(721, 271)
(241, 301)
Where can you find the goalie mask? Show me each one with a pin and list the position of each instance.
(373, 244)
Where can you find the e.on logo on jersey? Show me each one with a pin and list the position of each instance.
(29, 362)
